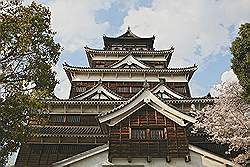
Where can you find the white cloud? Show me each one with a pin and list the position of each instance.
(75, 24)
(74, 21)
(62, 89)
(195, 28)
(226, 77)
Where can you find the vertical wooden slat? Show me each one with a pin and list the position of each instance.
(147, 118)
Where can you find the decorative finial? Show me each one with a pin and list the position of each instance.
(128, 28)
(162, 80)
(209, 95)
(146, 84)
(100, 81)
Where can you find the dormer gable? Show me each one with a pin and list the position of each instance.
(98, 92)
(146, 127)
(142, 98)
(163, 91)
(129, 61)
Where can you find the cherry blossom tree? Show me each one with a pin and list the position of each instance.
(227, 120)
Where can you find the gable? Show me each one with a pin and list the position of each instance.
(146, 116)
(145, 97)
(165, 92)
(129, 62)
(99, 92)
(146, 132)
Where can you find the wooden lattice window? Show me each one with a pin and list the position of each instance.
(80, 89)
(57, 118)
(181, 89)
(147, 134)
(135, 89)
(74, 118)
(123, 89)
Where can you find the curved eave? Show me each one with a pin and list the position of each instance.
(67, 135)
(68, 73)
(91, 50)
(187, 70)
(89, 57)
(168, 57)
(190, 100)
(90, 102)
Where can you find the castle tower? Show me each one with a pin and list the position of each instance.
(127, 108)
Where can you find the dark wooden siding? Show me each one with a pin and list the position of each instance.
(123, 145)
(125, 89)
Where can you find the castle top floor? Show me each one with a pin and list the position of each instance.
(128, 42)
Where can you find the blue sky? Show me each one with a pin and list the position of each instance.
(200, 31)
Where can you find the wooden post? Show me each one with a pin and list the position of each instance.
(129, 159)
(187, 158)
(149, 159)
(168, 159)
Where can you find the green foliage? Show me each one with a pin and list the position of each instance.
(241, 58)
(27, 54)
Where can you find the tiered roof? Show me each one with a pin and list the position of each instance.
(68, 131)
(146, 52)
(186, 70)
(128, 36)
(95, 54)
(171, 97)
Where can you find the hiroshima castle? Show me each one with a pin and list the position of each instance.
(127, 109)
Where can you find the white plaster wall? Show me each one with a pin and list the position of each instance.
(125, 77)
(93, 161)
(101, 159)
(57, 109)
(73, 109)
(89, 109)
